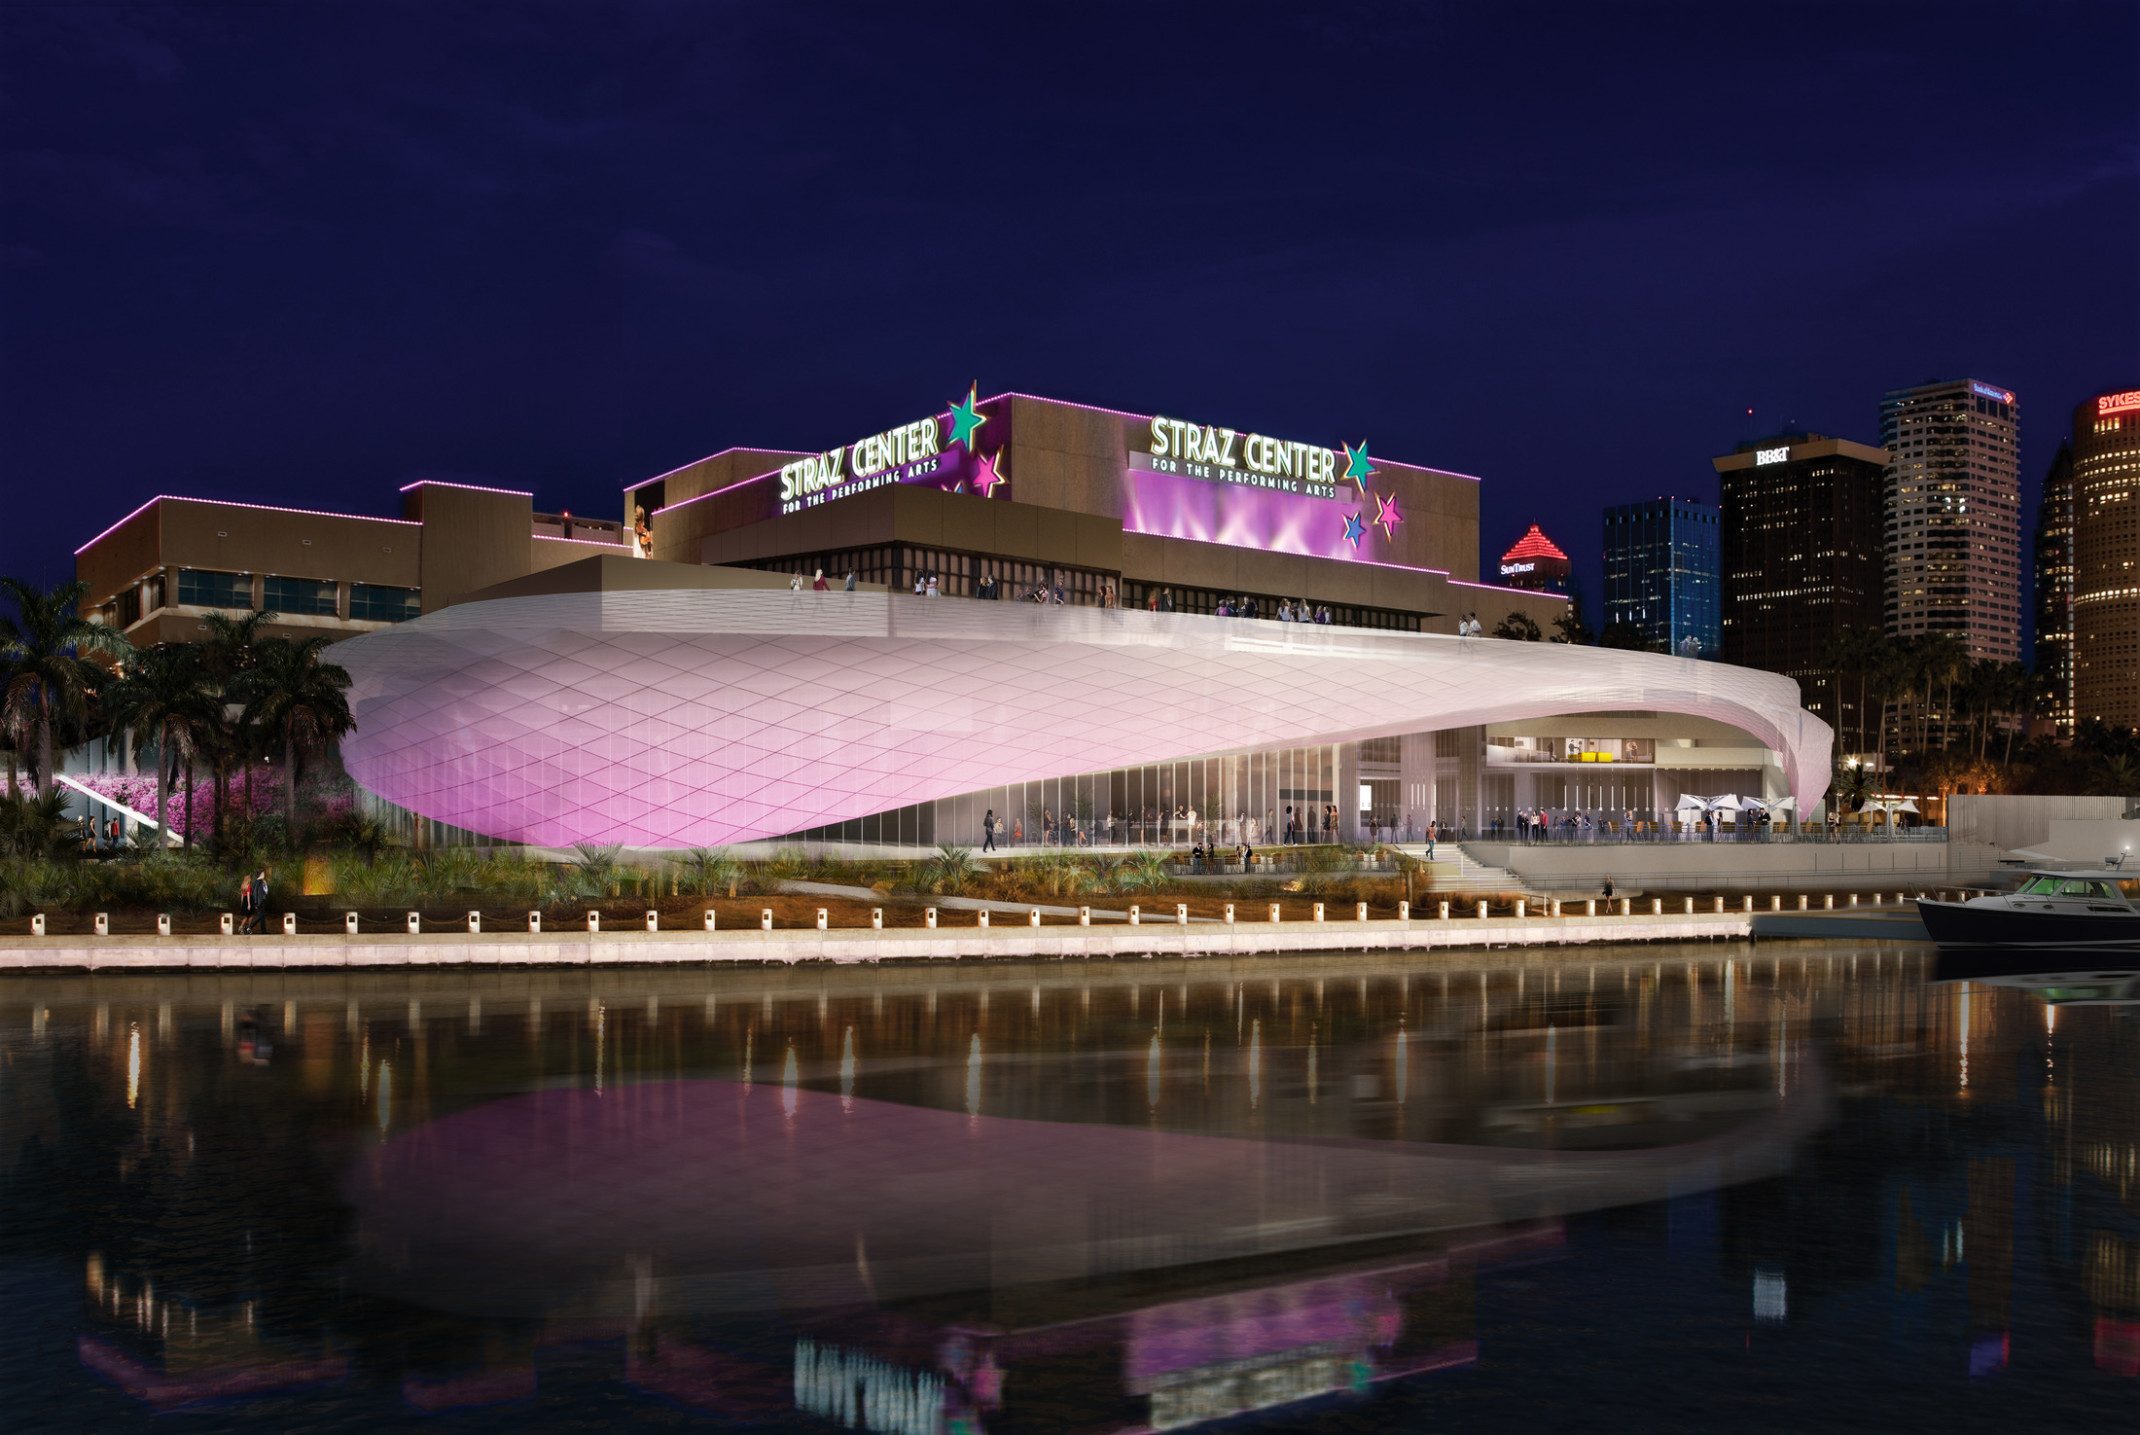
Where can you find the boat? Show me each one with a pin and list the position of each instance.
(2053, 907)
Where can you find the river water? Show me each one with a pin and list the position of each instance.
(1791, 1186)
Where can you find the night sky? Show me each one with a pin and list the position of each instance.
(303, 253)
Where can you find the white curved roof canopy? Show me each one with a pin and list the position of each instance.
(693, 718)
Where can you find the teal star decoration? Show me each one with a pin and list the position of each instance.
(1357, 468)
(966, 418)
(1355, 530)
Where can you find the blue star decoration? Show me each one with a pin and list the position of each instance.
(966, 418)
(1355, 530)
(1357, 468)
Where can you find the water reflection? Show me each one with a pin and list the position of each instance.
(1191, 1189)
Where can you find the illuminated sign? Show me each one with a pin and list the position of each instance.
(875, 456)
(1224, 455)
(2125, 403)
(1510, 568)
(1990, 391)
(1772, 455)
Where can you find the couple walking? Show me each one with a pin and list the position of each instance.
(252, 903)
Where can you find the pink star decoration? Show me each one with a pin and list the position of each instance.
(1388, 517)
(986, 474)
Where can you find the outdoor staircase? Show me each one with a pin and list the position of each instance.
(1470, 874)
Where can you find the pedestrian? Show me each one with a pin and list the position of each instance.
(850, 580)
(245, 905)
(818, 584)
(1433, 831)
(988, 831)
(921, 585)
(795, 584)
(642, 536)
(1166, 600)
(935, 590)
(1608, 889)
(260, 901)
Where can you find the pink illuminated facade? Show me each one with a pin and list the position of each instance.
(689, 718)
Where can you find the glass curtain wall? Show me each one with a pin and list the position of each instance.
(1261, 798)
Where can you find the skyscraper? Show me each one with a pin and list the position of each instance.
(1661, 573)
(2106, 559)
(1802, 561)
(1535, 562)
(1953, 521)
(2054, 590)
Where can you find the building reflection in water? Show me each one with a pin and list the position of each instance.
(1125, 1195)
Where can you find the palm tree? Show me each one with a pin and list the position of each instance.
(291, 694)
(165, 698)
(1886, 671)
(1946, 662)
(232, 648)
(50, 672)
(1520, 626)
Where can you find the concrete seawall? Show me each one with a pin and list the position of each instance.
(841, 945)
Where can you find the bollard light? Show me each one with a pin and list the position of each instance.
(765, 919)
(229, 924)
(1520, 905)
(37, 924)
(534, 921)
(1720, 904)
(1084, 916)
(981, 918)
(1690, 906)
(1853, 899)
(349, 924)
(712, 920)
(163, 924)
(103, 924)
(1136, 914)
(1274, 913)
(1827, 903)
(1554, 909)
(1482, 911)
(1775, 902)
(928, 919)
(876, 918)
(1590, 907)
(289, 924)
(1032, 918)
(653, 921)
(1801, 901)
(1749, 903)
(1443, 914)
(1181, 914)
(594, 921)
(475, 922)
(1404, 911)
(1361, 914)
(1318, 911)
(415, 923)
(1627, 906)
(1656, 906)
(821, 919)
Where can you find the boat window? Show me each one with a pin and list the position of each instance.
(2079, 889)
(2041, 887)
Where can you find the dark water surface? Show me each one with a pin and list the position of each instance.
(1657, 1187)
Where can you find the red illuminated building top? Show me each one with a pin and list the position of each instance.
(1534, 545)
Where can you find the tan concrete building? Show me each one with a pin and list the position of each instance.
(1006, 495)
(998, 497)
(2106, 559)
(161, 571)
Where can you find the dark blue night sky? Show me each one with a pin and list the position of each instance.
(301, 253)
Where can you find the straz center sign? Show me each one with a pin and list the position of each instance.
(1224, 455)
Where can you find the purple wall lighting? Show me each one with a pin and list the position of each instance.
(1172, 505)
